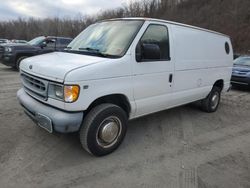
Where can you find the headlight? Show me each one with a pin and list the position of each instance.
(55, 91)
(67, 93)
(8, 49)
(71, 93)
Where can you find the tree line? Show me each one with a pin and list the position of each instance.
(231, 17)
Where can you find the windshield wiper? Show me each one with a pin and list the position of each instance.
(89, 49)
(95, 51)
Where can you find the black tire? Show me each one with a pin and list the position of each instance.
(93, 127)
(210, 104)
(18, 61)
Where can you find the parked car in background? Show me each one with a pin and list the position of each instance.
(236, 55)
(122, 69)
(241, 71)
(14, 53)
(3, 41)
(18, 41)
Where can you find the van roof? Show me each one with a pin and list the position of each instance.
(170, 22)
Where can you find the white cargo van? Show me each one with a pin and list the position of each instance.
(121, 69)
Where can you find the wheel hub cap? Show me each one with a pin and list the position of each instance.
(215, 100)
(109, 132)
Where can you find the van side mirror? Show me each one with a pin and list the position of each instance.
(148, 52)
(138, 54)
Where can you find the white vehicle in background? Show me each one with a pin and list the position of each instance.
(121, 69)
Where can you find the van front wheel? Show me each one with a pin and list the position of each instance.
(211, 102)
(103, 129)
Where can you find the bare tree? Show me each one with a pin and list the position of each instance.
(231, 17)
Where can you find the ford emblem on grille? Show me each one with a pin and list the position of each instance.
(30, 66)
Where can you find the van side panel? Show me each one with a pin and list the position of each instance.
(200, 60)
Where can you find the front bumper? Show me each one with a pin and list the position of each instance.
(240, 80)
(63, 122)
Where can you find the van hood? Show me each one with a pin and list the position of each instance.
(56, 65)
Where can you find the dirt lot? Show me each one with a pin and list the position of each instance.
(181, 147)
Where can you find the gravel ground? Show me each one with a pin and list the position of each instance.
(178, 148)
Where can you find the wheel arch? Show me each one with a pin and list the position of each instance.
(120, 100)
(18, 55)
(219, 84)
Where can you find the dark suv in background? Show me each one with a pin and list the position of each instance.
(12, 54)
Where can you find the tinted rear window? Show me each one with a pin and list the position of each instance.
(65, 41)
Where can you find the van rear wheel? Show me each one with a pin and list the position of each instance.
(211, 102)
(103, 129)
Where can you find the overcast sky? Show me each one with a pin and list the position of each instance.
(12, 9)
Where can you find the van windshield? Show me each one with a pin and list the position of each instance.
(106, 39)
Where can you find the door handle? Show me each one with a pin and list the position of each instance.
(170, 78)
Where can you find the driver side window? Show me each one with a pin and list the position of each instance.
(154, 44)
(50, 43)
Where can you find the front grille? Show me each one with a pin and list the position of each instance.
(237, 76)
(35, 86)
(34, 82)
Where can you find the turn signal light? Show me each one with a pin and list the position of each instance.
(71, 93)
